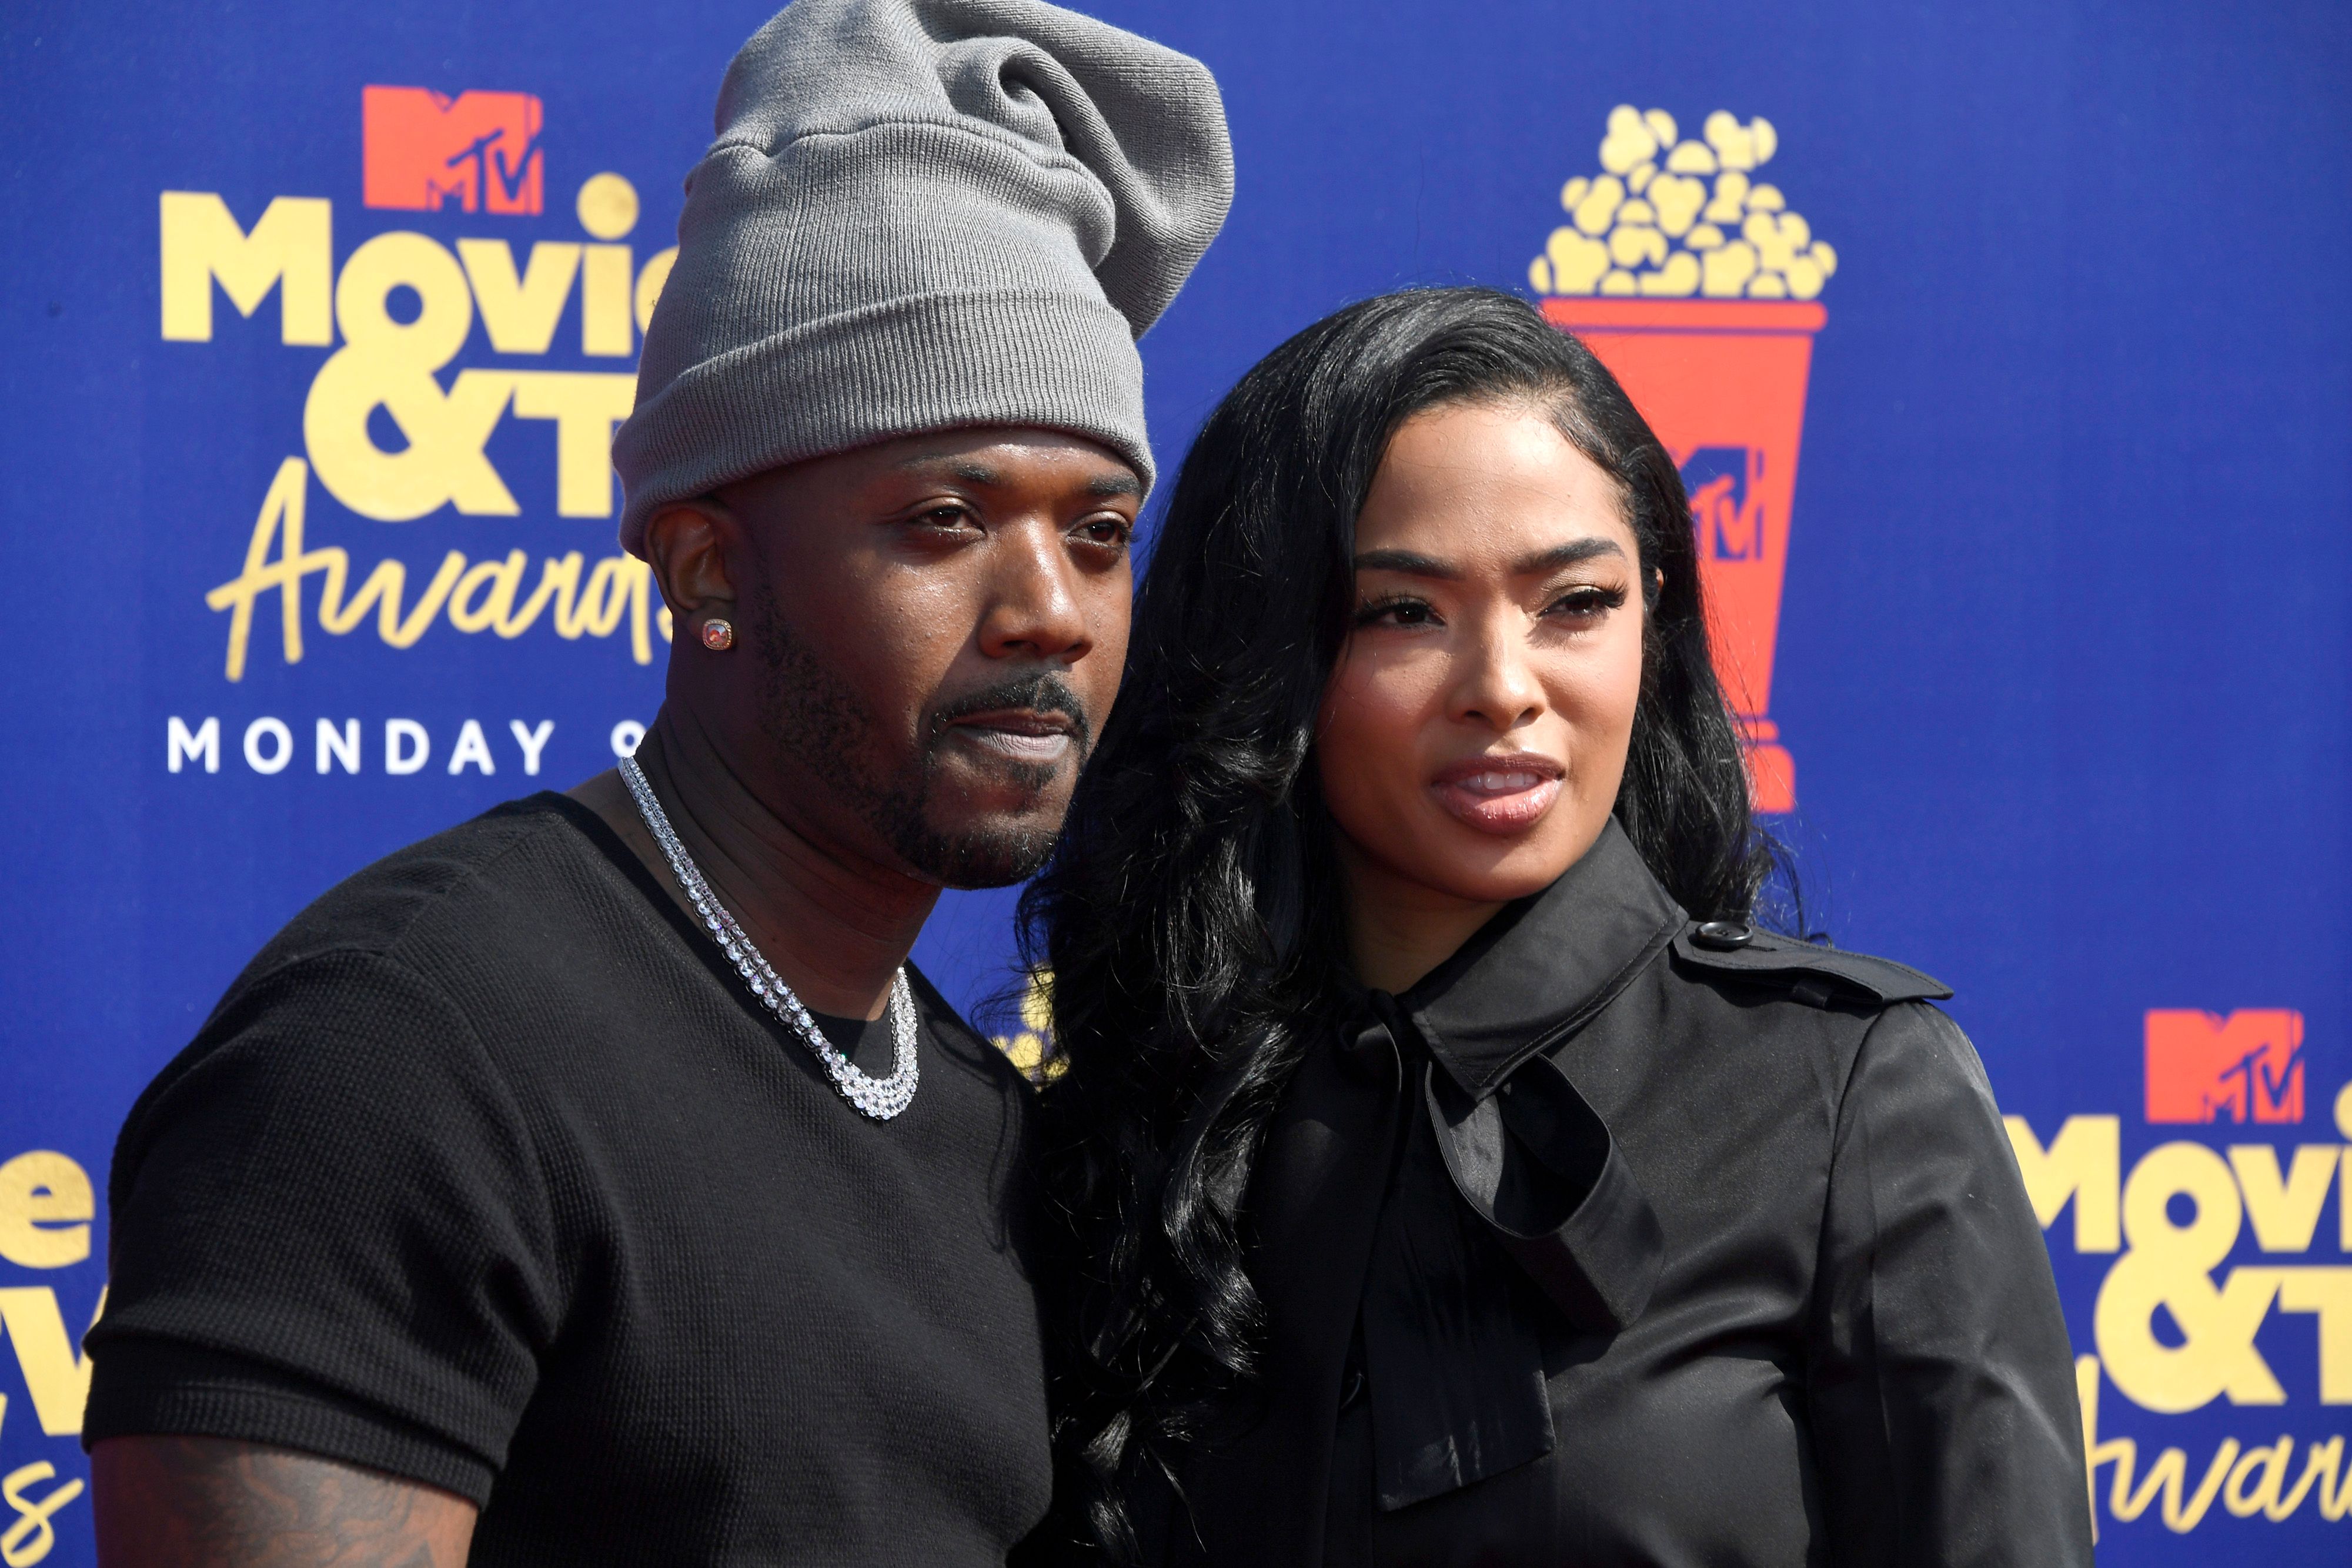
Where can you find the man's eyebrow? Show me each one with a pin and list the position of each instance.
(1101, 487)
(962, 468)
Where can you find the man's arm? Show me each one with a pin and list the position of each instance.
(211, 1502)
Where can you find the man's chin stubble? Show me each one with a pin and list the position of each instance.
(992, 849)
(813, 717)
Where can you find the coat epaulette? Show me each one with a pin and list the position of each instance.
(1810, 972)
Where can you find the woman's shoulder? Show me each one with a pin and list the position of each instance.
(1735, 954)
(1766, 1000)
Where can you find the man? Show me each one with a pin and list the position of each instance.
(593, 1183)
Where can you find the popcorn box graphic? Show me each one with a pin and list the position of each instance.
(1696, 285)
(1723, 383)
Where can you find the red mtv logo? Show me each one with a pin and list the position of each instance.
(2248, 1065)
(1727, 514)
(421, 148)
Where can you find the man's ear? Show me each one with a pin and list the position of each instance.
(687, 547)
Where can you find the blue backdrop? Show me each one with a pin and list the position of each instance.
(2061, 638)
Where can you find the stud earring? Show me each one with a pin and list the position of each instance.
(717, 635)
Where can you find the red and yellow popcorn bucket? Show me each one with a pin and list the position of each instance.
(1696, 285)
(1723, 383)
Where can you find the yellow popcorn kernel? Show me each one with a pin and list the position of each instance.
(1631, 244)
(1730, 197)
(1677, 199)
(1734, 147)
(1600, 204)
(1739, 146)
(1763, 230)
(1691, 158)
(1673, 217)
(1679, 276)
(1725, 272)
(1628, 141)
(1576, 263)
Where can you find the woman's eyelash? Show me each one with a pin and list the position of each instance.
(1370, 613)
(1585, 601)
(1591, 598)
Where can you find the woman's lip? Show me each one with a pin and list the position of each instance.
(1499, 795)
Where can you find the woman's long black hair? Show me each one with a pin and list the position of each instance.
(1188, 920)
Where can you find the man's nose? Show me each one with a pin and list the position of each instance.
(1035, 609)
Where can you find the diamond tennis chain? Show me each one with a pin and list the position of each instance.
(880, 1098)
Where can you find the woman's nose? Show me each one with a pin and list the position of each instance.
(1496, 682)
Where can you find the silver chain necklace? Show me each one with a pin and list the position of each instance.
(880, 1098)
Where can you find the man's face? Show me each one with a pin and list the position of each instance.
(929, 634)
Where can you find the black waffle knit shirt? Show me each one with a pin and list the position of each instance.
(488, 1172)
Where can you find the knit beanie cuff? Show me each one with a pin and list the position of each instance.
(1010, 357)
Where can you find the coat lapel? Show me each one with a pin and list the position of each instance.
(1507, 1180)
(1428, 1179)
(1545, 967)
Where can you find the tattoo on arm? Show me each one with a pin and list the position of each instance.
(211, 1503)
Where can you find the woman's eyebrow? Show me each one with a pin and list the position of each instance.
(1409, 562)
(1414, 564)
(1568, 554)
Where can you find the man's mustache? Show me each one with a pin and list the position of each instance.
(1040, 692)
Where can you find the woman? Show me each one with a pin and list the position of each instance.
(1459, 1177)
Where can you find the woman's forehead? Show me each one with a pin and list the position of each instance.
(1489, 487)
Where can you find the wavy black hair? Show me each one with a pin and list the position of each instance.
(1189, 917)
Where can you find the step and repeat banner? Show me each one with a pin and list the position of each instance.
(2005, 351)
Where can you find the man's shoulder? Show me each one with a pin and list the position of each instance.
(379, 980)
(427, 919)
(462, 878)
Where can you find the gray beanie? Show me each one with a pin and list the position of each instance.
(918, 215)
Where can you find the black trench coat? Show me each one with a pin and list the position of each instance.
(1619, 1239)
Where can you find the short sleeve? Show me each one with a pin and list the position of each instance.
(1941, 1387)
(330, 1233)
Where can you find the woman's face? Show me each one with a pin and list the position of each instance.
(1473, 736)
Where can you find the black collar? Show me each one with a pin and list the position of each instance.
(1546, 966)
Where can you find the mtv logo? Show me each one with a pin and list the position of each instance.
(422, 149)
(2248, 1065)
(1727, 514)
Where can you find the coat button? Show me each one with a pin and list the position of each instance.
(1723, 935)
